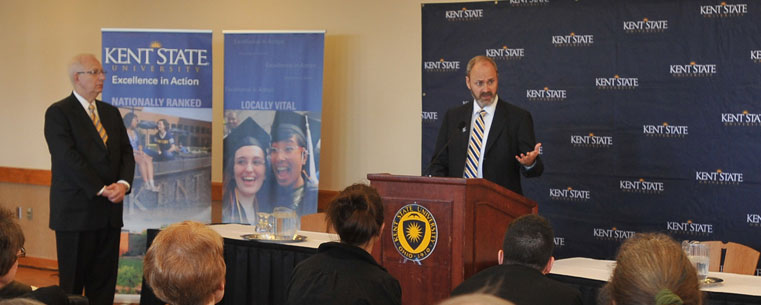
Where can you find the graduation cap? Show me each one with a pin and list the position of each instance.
(287, 123)
(245, 134)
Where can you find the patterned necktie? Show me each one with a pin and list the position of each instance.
(474, 147)
(98, 125)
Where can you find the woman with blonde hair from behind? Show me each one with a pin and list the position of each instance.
(652, 268)
(475, 299)
(185, 265)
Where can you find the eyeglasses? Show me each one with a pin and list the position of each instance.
(21, 252)
(93, 72)
(288, 150)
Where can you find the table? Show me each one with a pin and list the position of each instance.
(589, 275)
(257, 272)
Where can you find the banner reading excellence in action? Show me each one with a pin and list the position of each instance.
(648, 111)
(161, 80)
(273, 104)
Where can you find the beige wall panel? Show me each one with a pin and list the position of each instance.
(40, 240)
(371, 99)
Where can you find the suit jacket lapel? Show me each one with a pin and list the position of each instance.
(498, 125)
(461, 142)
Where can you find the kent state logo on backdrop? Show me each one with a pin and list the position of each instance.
(528, 3)
(641, 186)
(718, 177)
(573, 40)
(645, 26)
(559, 242)
(570, 194)
(441, 65)
(665, 130)
(616, 83)
(755, 56)
(505, 54)
(430, 117)
(723, 10)
(612, 234)
(744, 118)
(592, 141)
(692, 70)
(414, 232)
(546, 95)
(754, 220)
(689, 228)
(464, 14)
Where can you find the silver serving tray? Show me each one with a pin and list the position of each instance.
(271, 238)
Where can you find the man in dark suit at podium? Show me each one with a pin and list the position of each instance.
(487, 138)
(525, 259)
(92, 167)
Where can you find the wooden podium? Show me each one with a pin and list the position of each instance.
(470, 215)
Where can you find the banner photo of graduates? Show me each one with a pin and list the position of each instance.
(648, 111)
(273, 104)
(161, 81)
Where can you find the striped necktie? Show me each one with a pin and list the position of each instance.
(474, 147)
(98, 125)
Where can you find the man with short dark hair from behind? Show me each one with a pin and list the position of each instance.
(525, 259)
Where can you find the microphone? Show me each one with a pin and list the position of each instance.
(460, 126)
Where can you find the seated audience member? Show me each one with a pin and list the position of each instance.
(475, 299)
(652, 268)
(525, 259)
(345, 272)
(185, 265)
(11, 248)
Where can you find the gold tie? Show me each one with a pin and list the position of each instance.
(98, 125)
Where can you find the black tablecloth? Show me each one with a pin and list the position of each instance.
(257, 273)
(589, 289)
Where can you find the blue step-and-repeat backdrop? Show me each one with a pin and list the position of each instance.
(649, 112)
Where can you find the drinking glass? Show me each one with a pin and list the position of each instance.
(698, 254)
(286, 221)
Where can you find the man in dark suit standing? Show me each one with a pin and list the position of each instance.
(488, 138)
(524, 261)
(92, 166)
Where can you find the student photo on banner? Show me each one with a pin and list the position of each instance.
(271, 161)
(172, 156)
(245, 170)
